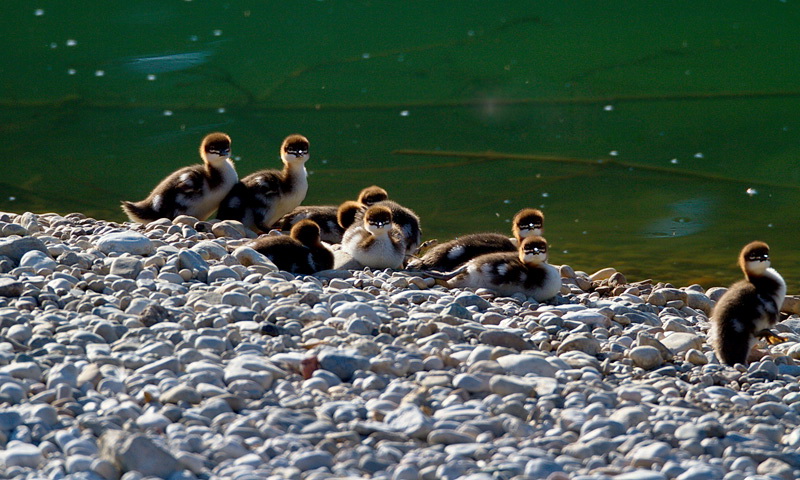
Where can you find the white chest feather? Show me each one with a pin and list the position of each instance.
(210, 199)
(293, 197)
(381, 253)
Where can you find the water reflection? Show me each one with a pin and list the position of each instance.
(168, 63)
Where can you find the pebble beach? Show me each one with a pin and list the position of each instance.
(172, 350)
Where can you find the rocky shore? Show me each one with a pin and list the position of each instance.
(174, 351)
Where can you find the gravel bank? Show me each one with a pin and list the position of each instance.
(172, 351)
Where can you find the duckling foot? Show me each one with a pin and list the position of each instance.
(770, 337)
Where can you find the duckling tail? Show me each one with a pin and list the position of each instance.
(139, 212)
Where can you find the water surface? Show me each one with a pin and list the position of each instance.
(658, 136)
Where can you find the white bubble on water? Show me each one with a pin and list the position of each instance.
(609, 108)
(404, 113)
(221, 110)
(71, 71)
(751, 191)
(613, 153)
(99, 73)
(545, 194)
(71, 42)
(217, 32)
(167, 113)
(151, 77)
(54, 45)
(38, 12)
(674, 161)
(699, 155)
(506, 201)
(365, 55)
(11, 199)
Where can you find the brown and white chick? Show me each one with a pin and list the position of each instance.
(196, 190)
(749, 308)
(507, 273)
(260, 199)
(375, 241)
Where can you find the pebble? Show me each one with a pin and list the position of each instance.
(522, 365)
(16, 248)
(125, 242)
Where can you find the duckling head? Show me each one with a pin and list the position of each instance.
(294, 149)
(306, 232)
(754, 259)
(528, 222)
(533, 250)
(378, 219)
(216, 148)
(372, 195)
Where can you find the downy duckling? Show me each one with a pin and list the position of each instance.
(349, 210)
(326, 216)
(351, 213)
(375, 242)
(508, 273)
(263, 197)
(301, 251)
(196, 190)
(450, 255)
(527, 223)
(749, 308)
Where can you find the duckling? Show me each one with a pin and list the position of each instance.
(376, 242)
(349, 210)
(527, 222)
(301, 251)
(351, 213)
(196, 190)
(326, 216)
(749, 308)
(507, 273)
(449, 255)
(263, 197)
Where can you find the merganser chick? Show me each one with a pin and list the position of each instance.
(349, 210)
(263, 197)
(508, 273)
(196, 190)
(749, 308)
(527, 222)
(351, 213)
(326, 216)
(450, 255)
(376, 242)
(301, 251)
(371, 195)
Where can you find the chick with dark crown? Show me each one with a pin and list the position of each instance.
(260, 199)
(407, 221)
(326, 216)
(375, 241)
(749, 308)
(301, 251)
(507, 273)
(196, 190)
(449, 255)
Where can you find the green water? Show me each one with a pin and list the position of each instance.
(698, 101)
